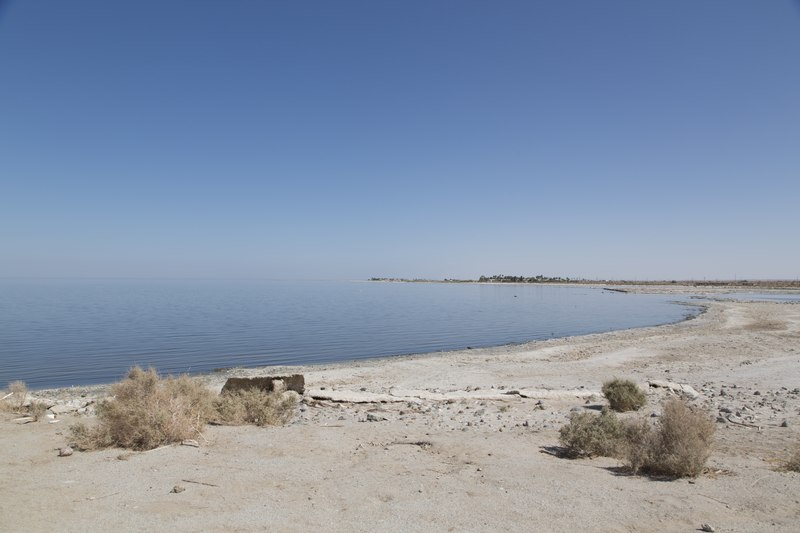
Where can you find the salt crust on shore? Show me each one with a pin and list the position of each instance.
(463, 451)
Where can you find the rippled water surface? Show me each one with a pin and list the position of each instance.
(60, 333)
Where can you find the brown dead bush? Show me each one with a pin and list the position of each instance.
(19, 393)
(255, 406)
(624, 395)
(86, 437)
(588, 434)
(147, 411)
(678, 446)
(36, 410)
(14, 401)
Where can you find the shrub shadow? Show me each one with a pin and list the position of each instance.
(556, 451)
(625, 471)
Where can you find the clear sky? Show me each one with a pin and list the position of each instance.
(344, 139)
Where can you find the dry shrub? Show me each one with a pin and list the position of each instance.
(84, 437)
(678, 446)
(624, 395)
(15, 403)
(255, 406)
(36, 410)
(588, 434)
(147, 412)
(19, 393)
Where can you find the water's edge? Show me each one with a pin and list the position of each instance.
(218, 376)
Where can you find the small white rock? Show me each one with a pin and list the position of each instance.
(65, 452)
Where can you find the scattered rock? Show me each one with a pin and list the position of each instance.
(707, 527)
(680, 388)
(65, 451)
(61, 407)
(177, 489)
(372, 417)
(785, 424)
(356, 396)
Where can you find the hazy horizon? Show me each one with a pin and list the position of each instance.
(318, 140)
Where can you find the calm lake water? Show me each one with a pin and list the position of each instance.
(56, 333)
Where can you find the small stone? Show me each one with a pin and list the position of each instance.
(190, 442)
(177, 489)
(65, 451)
(707, 527)
(784, 424)
(372, 417)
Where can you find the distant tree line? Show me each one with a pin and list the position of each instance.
(502, 278)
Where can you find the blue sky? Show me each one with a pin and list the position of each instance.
(619, 139)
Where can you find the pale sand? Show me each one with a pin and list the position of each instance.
(486, 467)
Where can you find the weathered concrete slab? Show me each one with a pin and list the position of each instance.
(349, 396)
(555, 394)
(488, 394)
(417, 396)
(680, 388)
(295, 382)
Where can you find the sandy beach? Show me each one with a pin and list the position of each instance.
(456, 441)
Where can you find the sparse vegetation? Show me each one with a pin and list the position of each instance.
(19, 393)
(588, 434)
(15, 401)
(147, 411)
(255, 406)
(679, 445)
(624, 395)
(37, 410)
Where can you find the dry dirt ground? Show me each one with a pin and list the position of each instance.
(453, 445)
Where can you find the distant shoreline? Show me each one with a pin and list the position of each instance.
(522, 280)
